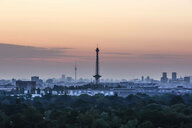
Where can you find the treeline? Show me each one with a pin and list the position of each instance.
(99, 111)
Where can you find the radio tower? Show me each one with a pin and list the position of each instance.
(97, 76)
(75, 72)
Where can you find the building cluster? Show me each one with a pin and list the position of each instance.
(35, 82)
(174, 79)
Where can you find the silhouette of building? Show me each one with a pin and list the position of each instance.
(63, 77)
(97, 76)
(174, 76)
(142, 78)
(148, 79)
(164, 78)
(38, 81)
(50, 81)
(69, 79)
(35, 78)
(187, 79)
(27, 85)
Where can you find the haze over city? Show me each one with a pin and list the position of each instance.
(142, 37)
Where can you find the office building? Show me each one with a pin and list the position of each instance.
(164, 78)
(174, 76)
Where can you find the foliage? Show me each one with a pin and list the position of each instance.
(99, 111)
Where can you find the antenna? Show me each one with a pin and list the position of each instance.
(75, 72)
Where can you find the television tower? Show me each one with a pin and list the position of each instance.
(75, 72)
(97, 76)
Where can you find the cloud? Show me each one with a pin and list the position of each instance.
(117, 53)
(61, 48)
(11, 51)
(161, 56)
(63, 54)
(145, 55)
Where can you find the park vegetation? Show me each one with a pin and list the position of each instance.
(99, 111)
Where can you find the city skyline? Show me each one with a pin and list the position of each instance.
(137, 38)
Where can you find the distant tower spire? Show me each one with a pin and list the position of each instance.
(97, 76)
(75, 72)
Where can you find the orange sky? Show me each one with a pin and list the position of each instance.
(133, 26)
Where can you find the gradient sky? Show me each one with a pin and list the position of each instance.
(136, 37)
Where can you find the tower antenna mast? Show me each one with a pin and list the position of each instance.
(75, 72)
(97, 76)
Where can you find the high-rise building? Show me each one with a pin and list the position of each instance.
(174, 76)
(63, 77)
(187, 79)
(97, 76)
(142, 78)
(164, 78)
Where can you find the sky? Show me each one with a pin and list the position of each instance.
(136, 37)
